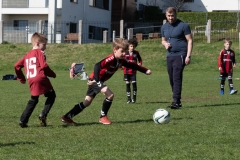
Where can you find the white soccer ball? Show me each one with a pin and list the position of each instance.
(161, 116)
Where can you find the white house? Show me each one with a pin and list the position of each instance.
(55, 18)
(197, 5)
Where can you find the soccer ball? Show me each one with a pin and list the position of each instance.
(161, 116)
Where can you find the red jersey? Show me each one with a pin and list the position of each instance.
(104, 69)
(133, 57)
(226, 60)
(36, 70)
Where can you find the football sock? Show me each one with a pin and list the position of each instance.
(222, 84)
(134, 90)
(75, 110)
(230, 83)
(106, 106)
(128, 89)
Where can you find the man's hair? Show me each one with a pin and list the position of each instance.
(133, 41)
(171, 10)
(228, 40)
(38, 37)
(120, 43)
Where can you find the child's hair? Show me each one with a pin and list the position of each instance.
(228, 40)
(171, 10)
(38, 37)
(133, 41)
(120, 43)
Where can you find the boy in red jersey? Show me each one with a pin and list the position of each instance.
(131, 55)
(104, 70)
(226, 62)
(37, 72)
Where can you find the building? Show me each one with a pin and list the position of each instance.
(54, 18)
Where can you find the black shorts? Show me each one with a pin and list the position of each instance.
(130, 77)
(226, 74)
(94, 89)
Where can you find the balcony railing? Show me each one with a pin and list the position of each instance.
(25, 4)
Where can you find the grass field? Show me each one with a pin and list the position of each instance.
(205, 128)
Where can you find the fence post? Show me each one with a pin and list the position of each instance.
(1, 32)
(209, 31)
(114, 35)
(80, 32)
(130, 33)
(121, 28)
(40, 24)
(105, 35)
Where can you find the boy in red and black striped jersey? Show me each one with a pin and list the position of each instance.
(104, 70)
(226, 62)
(130, 76)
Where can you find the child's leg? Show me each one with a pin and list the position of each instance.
(134, 84)
(107, 102)
(29, 109)
(230, 82)
(222, 83)
(128, 90)
(51, 95)
(79, 107)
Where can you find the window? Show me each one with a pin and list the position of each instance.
(72, 27)
(188, 0)
(20, 24)
(96, 32)
(74, 1)
(103, 4)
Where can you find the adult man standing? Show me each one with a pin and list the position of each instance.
(177, 39)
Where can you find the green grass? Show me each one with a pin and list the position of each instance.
(205, 128)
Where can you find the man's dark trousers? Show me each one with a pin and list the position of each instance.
(175, 67)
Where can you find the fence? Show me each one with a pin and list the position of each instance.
(93, 32)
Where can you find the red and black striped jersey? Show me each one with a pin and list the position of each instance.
(133, 57)
(226, 59)
(105, 69)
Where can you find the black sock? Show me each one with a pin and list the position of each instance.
(75, 110)
(134, 90)
(128, 90)
(106, 106)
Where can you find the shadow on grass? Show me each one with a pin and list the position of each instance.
(214, 105)
(14, 144)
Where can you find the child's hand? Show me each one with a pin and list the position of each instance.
(219, 68)
(234, 65)
(148, 72)
(91, 82)
(139, 64)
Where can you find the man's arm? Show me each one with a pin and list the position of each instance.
(189, 48)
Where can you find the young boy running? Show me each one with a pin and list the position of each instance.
(130, 75)
(104, 70)
(226, 62)
(37, 72)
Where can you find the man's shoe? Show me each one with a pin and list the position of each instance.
(233, 91)
(43, 120)
(175, 105)
(68, 120)
(23, 125)
(104, 120)
(222, 92)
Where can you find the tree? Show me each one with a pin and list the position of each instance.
(178, 4)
